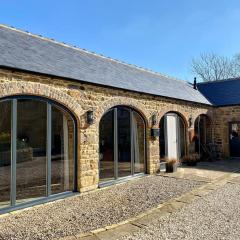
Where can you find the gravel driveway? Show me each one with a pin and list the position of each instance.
(83, 213)
(216, 216)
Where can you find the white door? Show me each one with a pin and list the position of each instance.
(171, 128)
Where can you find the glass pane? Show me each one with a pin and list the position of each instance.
(234, 139)
(124, 142)
(202, 130)
(182, 137)
(106, 141)
(162, 138)
(5, 153)
(62, 151)
(196, 135)
(138, 129)
(31, 149)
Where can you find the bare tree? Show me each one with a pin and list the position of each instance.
(236, 62)
(212, 67)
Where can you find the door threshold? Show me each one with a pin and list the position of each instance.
(121, 180)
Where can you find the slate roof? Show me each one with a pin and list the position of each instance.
(223, 92)
(25, 51)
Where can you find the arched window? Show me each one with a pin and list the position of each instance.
(122, 144)
(37, 152)
(172, 136)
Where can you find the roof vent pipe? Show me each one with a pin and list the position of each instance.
(195, 83)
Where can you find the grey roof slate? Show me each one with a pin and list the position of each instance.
(30, 52)
(222, 92)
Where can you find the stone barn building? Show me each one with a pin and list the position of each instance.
(72, 120)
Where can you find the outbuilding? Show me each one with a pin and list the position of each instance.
(72, 120)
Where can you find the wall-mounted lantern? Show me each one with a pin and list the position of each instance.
(90, 117)
(155, 132)
(190, 121)
(154, 119)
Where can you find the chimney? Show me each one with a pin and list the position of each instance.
(195, 83)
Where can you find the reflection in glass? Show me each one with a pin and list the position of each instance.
(29, 177)
(203, 135)
(31, 149)
(5, 153)
(162, 138)
(138, 128)
(124, 142)
(62, 151)
(182, 137)
(106, 131)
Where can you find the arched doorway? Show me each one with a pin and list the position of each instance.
(121, 143)
(37, 150)
(202, 135)
(172, 136)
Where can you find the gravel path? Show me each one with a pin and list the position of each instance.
(79, 214)
(216, 216)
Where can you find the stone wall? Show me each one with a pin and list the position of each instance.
(80, 97)
(222, 117)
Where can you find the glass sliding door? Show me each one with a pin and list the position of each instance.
(138, 136)
(121, 144)
(5, 153)
(124, 142)
(37, 150)
(31, 149)
(182, 137)
(62, 151)
(162, 138)
(106, 131)
(203, 135)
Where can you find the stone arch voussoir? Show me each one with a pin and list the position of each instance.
(206, 112)
(42, 90)
(132, 103)
(175, 109)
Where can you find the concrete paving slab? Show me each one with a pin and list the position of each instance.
(92, 237)
(117, 232)
(69, 238)
(235, 180)
(206, 171)
(201, 193)
(187, 198)
(146, 219)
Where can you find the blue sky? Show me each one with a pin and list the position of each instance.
(156, 34)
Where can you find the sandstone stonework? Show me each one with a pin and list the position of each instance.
(222, 117)
(80, 97)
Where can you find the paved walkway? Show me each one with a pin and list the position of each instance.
(209, 212)
(206, 171)
(211, 217)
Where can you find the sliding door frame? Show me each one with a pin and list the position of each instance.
(132, 146)
(49, 197)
